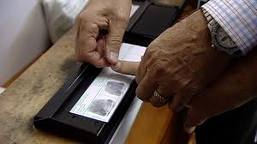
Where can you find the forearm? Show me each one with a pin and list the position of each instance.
(237, 86)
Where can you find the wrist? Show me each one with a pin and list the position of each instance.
(219, 38)
(201, 29)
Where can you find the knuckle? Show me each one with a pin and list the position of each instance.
(152, 52)
(93, 27)
(86, 24)
(159, 68)
(148, 56)
(115, 42)
(85, 18)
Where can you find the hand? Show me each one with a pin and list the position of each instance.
(179, 64)
(236, 87)
(100, 31)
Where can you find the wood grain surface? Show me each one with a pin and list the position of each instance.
(150, 125)
(30, 92)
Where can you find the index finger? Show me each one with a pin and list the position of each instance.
(126, 67)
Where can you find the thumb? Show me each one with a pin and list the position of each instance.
(126, 67)
(114, 40)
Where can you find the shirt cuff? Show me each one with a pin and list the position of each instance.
(238, 18)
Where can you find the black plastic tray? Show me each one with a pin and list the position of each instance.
(149, 21)
(55, 116)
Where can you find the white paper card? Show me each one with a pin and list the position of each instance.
(133, 9)
(105, 93)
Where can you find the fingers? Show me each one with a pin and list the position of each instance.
(126, 67)
(100, 30)
(141, 71)
(100, 46)
(146, 87)
(154, 97)
(183, 97)
(163, 94)
(89, 43)
(146, 80)
(158, 100)
(116, 30)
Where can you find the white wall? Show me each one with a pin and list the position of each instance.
(23, 35)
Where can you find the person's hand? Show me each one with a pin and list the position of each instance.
(236, 87)
(179, 64)
(100, 31)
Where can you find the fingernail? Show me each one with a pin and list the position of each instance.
(114, 56)
(190, 130)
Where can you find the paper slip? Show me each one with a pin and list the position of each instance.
(133, 9)
(105, 93)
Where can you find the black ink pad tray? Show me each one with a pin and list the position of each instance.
(55, 116)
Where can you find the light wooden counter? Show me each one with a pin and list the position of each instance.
(29, 93)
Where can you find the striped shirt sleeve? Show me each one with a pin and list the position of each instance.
(238, 18)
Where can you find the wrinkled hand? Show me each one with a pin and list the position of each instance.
(100, 30)
(180, 63)
(236, 87)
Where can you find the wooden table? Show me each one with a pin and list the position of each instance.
(30, 92)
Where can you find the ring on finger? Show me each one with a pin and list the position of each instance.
(161, 99)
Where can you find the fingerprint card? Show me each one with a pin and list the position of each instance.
(105, 93)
